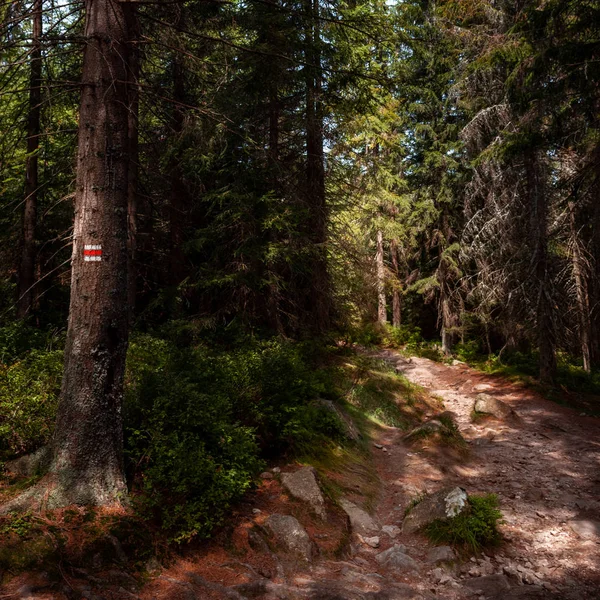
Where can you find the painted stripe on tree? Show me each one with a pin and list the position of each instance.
(92, 253)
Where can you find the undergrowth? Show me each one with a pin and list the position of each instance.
(473, 529)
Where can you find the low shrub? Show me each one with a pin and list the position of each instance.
(198, 422)
(474, 528)
(29, 390)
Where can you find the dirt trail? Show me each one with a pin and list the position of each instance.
(543, 463)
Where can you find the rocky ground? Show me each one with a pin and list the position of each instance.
(291, 542)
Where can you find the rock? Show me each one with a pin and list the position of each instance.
(361, 522)
(302, 484)
(266, 475)
(350, 429)
(378, 446)
(586, 529)
(256, 511)
(30, 464)
(445, 504)
(391, 530)
(395, 558)
(276, 470)
(440, 554)
(290, 535)
(457, 363)
(484, 403)
(483, 387)
(372, 541)
(491, 586)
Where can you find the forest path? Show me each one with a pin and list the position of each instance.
(542, 463)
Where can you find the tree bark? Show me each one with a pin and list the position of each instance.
(133, 170)
(396, 297)
(381, 303)
(177, 200)
(581, 286)
(540, 264)
(319, 287)
(26, 274)
(87, 449)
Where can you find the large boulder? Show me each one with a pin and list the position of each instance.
(360, 520)
(290, 535)
(486, 404)
(445, 504)
(302, 484)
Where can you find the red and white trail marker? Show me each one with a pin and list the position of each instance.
(92, 253)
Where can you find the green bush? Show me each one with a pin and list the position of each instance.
(29, 390)
(473, 529)
(198, 421)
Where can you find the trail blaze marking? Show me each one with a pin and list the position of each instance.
(92, 253)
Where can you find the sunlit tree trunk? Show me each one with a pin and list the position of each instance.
(87, 459)
(381, 303)
(26, 275)
(396, 297)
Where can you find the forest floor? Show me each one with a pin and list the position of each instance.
(542, 461)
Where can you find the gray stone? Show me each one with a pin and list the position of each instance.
(266, 475)
(440, 554)
(302, 484)
(30, 464)
(486, 404)
(392, 530)
(395, 558)
(586, 529)
(153, 566)
(491, 586)
(290, 535)
(445, 504)
(372, 541)
(483, 387)
(361, 522)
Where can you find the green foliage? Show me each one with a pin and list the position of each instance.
(29, 390)
(197, 419)
(475, 528)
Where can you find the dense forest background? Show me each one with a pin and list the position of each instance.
(301, 174)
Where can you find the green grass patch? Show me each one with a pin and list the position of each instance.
(474, 529)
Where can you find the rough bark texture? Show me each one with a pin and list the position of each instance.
(26, 276)
(133, 170)
(581, 286)
(540, 267)
(396, 297)
(87, 447)
(319, 293)
(381, 304)
(177, 201)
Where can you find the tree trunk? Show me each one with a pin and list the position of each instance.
(26, 275)
(539, 239)
(87, 462)
(319, 286)
(177, 200)
(581, 286)
(133, 171)
(396, 297)
(381, 304)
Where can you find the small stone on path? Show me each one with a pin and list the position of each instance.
(391, 530)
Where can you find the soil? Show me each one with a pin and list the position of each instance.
(542, 462)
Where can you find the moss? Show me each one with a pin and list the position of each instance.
(473, 529)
